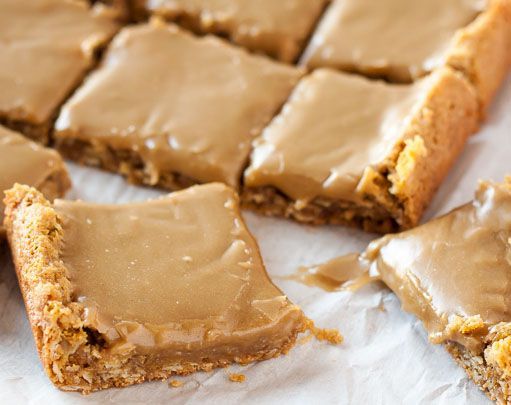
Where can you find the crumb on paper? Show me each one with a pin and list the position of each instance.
(332, 336)
(175, 383)
(305, 339)
(238, 378)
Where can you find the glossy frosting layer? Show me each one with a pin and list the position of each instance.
(399, 39)
(24, 162)
(455, 268)
(275, 27)
(184, 104)
(46, 46)
(179, 275)
(333, 127)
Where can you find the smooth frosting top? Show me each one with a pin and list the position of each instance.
(185, 104)
(23, 161)
(456, 266)
(333, 127)
(45, 48)
(278, 27)
(179, 271)
(400, 39)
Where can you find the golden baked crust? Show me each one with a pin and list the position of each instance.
(72, 355)
(490, 370)
(54, 186)
(482, 50)
(398, 191)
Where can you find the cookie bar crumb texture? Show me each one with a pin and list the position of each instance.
(463, 305)
(116, 309)
(23, 161)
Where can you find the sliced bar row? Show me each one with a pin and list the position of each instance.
(171, 109)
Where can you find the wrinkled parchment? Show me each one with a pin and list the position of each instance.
(385, 358)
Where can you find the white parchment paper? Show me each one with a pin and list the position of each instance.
(385, 359)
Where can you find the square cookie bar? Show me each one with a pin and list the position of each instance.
(120, 294)
(348, 150)
(169, 109)
(454, 274)
(46, 48)
(276, 28)
(402, 40)
(23, 161)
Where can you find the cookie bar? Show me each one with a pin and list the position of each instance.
(22, 161)
(395, 39)
(46, 48)
(482, 51)
(454, 274)
(402, 40)
(348, 150)
(121, 294)
(276, 28)
(169, 109)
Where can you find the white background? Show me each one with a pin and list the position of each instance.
(385, 358)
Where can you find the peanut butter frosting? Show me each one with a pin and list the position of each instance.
(46, 46)
(333, 127)
(278, 28)
(179, 277)
(454, 273)
(186, 105)
(25, 162)
(397, 39)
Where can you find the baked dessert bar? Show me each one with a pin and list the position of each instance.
(120, 294)
(46, 48)
(169, 109)
(23, 161)
(402, 40)
(454, 274)
(482, 51)
(348, 150)
(277, 28)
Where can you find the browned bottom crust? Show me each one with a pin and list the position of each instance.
(123, 161)
(487, 377)
(321, 211)
(74, 357)
(36, 132)
(122, 372)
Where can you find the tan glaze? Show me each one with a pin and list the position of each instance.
(333, 127)
(349, 272)
(24, 162)
(457, 265)
(452, 269)
(179, 277)
(45, 48)
(276, 27)
(398, 39)
(185, 104)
